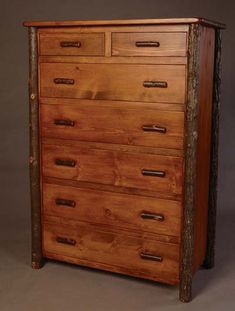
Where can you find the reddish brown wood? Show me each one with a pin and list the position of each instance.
(167, 21)
(204, 142)
(142, 44)
(113, 82)
(112, 122)
(85, 44)
(114, 168)
(98, 247)
(113, 209)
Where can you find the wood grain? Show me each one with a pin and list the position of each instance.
(114, 123)
(114, 168)
(204, 142)
(91, 44)
(113, 82)
(159, 21)
(114, 209)
(115, 248)
(170, 44)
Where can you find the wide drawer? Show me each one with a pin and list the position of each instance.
(125, 169)
(90, 44)
(114, 209)
(128, 253)
(124, 123)
(149, 44)
(150, 83)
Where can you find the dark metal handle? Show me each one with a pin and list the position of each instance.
(63, 240)
(153, 128)
(151, 257)
(70, 44)
(65, 202)
(154, 173)
(161, 84)
(146, 215)
(63, 81)
(64, 122)
(65, 162)
(153, 44)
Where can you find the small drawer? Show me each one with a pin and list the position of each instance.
(147, 83)
(116, 168)
(113, 122)
(115, 209)
(130, 253)
(90, 44)
(149, 44)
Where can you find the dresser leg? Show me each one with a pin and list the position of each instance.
(185, 291)
(212, 204)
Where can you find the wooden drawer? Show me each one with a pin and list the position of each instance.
(115, 209)
(163, 83)
(149, 44)
(96, 247)
(111, 167)
(125, 123)
(90, 44)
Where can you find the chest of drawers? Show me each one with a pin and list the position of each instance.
(124, 137)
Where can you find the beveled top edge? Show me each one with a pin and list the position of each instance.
(164, 21)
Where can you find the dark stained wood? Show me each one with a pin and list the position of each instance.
(113, 82)
(34, 159)
(111, 122)
(113, 209)
(204, 142)
(170, 44)
(191, 128)
(212, 208)
(114, 168)
(89, 44)
(97, 247)
(167, 21)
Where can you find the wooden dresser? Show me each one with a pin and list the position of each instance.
(124, 137)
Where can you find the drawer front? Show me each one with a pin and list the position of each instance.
(150, 83)
(125, 169)
(91, 244)
(90, 44)
(114, 123)
(149, 44)
(115, 209)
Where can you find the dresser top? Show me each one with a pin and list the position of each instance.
(165, 21)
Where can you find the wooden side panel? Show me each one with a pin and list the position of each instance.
(114, 168)
(94, 246)
(204, 142)
(113, 82)
(166, 44)
(112, 122)
(113, 209)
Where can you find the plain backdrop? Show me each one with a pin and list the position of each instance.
(62, 286)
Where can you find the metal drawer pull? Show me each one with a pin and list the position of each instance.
(64, 122)
(161, 84)
(65, 202)
(65, 162)
(63, 81)
(153, 128)
(153, 173)
(146, 215)
(147, 44)
(70, 44)
(151, 257)
(64, 240)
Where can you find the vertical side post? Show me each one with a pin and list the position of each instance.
(212, 207)
(34, 160)
(191, 124)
